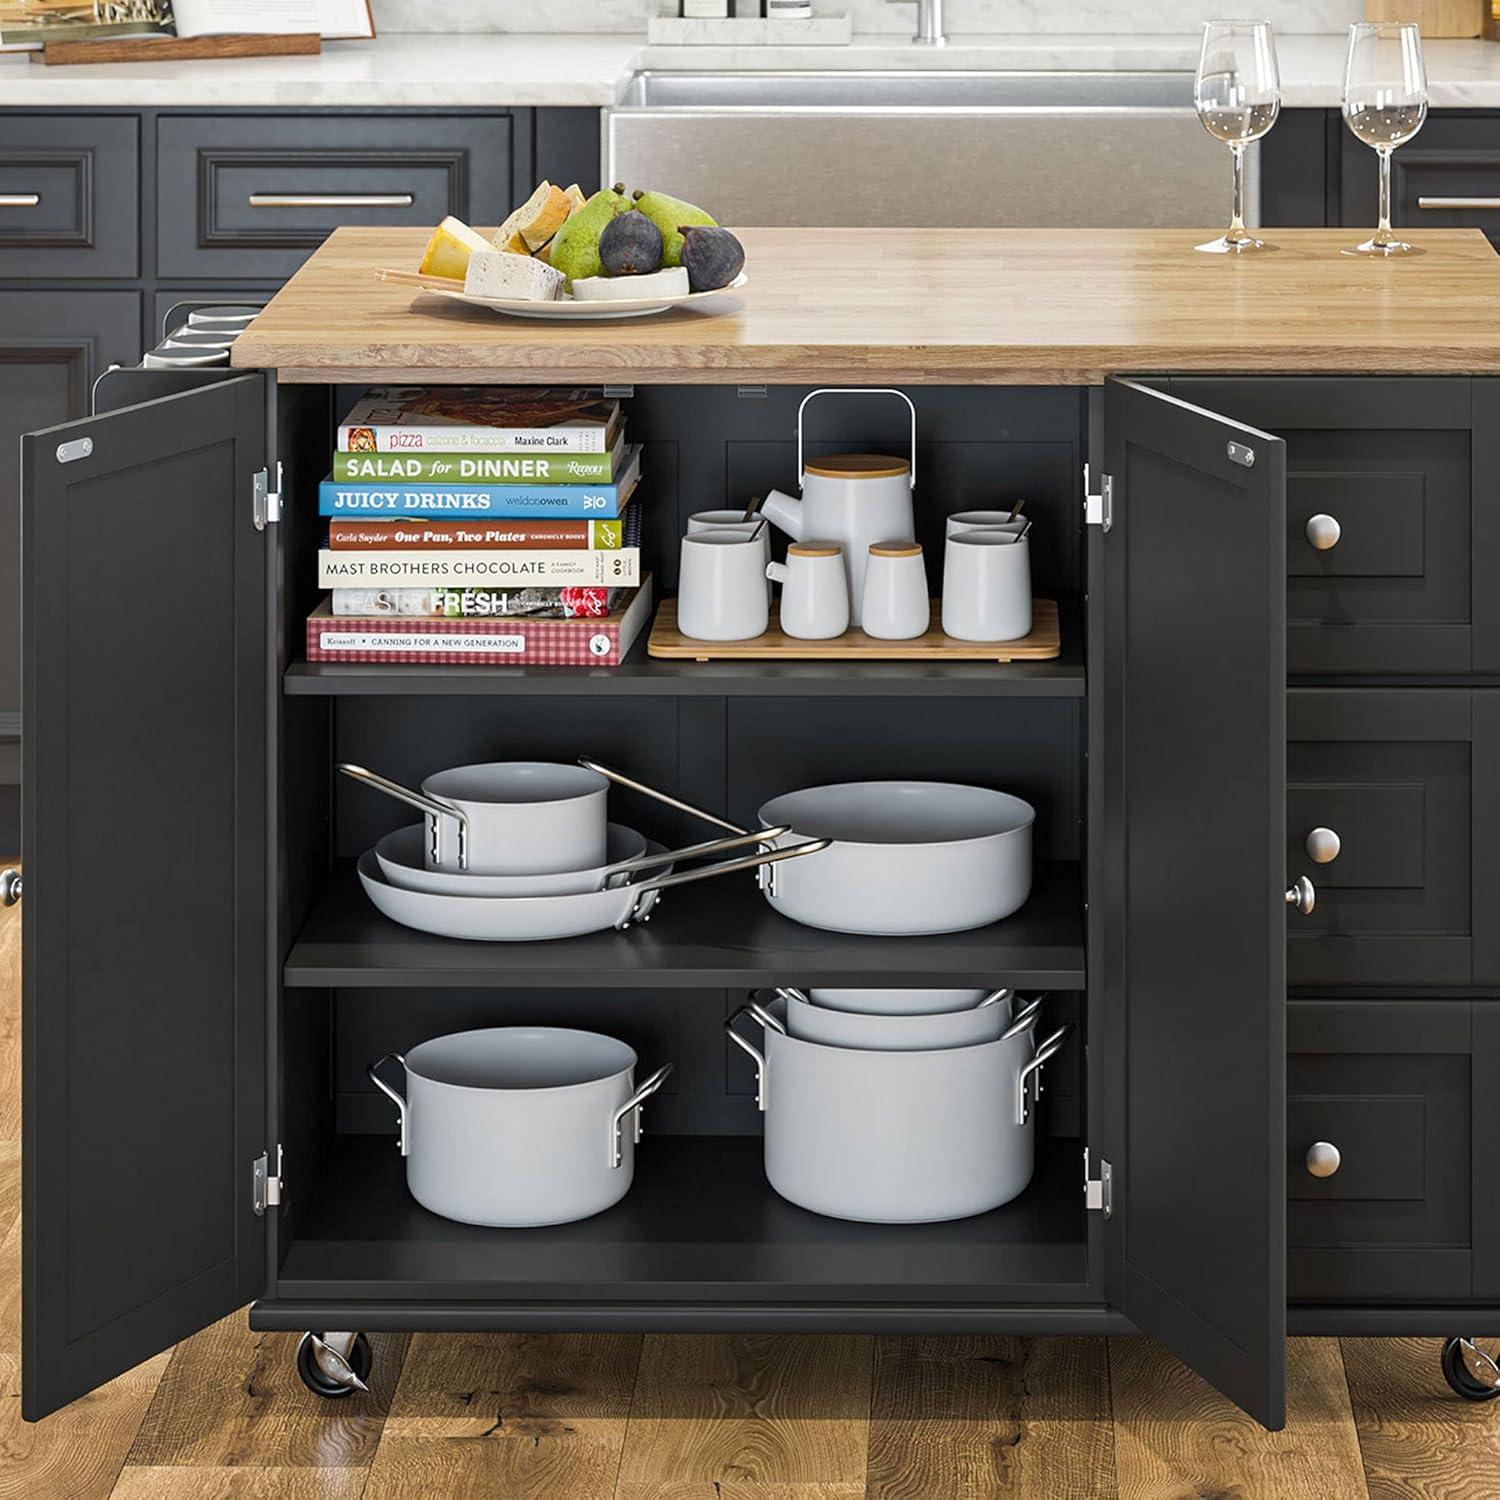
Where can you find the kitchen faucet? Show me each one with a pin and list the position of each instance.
(929, 23)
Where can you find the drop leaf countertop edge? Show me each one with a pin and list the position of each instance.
(921, 306)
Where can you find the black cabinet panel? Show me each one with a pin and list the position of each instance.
(253, 195)
(69, 194)
(52, 345)
(1394, 1086)
(1402, 777)
(1406, 468)
(1447, 177)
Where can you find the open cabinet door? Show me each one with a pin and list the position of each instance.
(144, 621)
(1189, 891)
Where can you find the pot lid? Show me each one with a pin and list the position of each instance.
(858, 466)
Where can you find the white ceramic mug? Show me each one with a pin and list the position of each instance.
(757, 529)
(984, 520)
(986, 586)
(814, 591)
(896, 606)
(721, 587)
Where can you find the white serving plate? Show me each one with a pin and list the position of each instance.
(564, 308)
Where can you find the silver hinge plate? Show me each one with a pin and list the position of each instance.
(1099, 509)
(72, 451)
(1098, 1192)
(1241, 454)
(265, 1190)
(750, 392)
(265, 502)
(618, 392)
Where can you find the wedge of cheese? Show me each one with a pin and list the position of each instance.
(673, 282)
(501, 274)
(449, 249)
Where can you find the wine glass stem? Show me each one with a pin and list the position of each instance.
(1383, 235)
(1237, 217)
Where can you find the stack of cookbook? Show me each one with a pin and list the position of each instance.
(483, 524)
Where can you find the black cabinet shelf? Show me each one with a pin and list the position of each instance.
(643, 675)
(700, 1225)
(720, 934)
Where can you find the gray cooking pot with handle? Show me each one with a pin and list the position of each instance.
(519, 1126)
(897, 1137)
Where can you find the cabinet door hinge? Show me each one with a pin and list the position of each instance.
(1099, 509)
(265, 503)
(265, 1190)
(1098, 1192)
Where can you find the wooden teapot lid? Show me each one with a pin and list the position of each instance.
(896, 549)
(858, 466)
(813, 549)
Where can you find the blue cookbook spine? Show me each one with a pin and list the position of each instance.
(506, 502)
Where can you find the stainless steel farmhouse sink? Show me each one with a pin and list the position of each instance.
(925, 148)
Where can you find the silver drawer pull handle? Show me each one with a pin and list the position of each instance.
(1440, 203)
(20, 200)
(1323, 1159)
(1323, 531)
(1302, 896)
(1323, 846)
(331, 200)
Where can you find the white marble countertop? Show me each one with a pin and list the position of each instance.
(480, 71)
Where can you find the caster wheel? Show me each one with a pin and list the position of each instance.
(1470, 1371)
(326, 1371)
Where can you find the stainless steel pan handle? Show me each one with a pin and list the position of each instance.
(996, 997)
(756, 1055)
(1032, 1074)
(374, 1071)
(1025, 1019)
(633, 1105)
(693, 851)
(792, 995)
(730, 866)
(434, 808)
(621, 779)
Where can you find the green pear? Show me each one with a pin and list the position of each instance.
(575, 247)
(671, 216)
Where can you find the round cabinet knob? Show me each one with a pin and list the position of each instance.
(1323, 846)
(1323, 531)
(10, 887)
(1323, 1159)
(1302, 895)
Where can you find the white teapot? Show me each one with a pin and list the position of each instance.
(853, 499)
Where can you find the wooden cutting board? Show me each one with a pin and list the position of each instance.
(1043, 644)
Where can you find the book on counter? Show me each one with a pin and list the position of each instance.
(619, 567)
(594, 641)
(553, 604)
(506, 502)
(484, 536)
(480, 468)
(480, 419)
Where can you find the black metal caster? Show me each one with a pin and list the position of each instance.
(334, 1365)
(1470, 1371)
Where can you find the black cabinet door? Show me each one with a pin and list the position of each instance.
(144, 923)
(1190, 895)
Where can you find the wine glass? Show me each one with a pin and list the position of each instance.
(1385, 103)
(1238, 96)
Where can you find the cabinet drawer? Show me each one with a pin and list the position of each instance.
(1396, 464)
(1447, 178)
(1405, 781)
(69, 189)
(252, 196)
(1391, 1086)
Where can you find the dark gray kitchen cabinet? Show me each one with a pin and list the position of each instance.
(53, 345)
(253, 195)
(69, 196)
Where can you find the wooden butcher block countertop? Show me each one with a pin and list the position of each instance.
(950, 307)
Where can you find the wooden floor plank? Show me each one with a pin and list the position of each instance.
(508, 1414)
(965, 1416)
(232, 1397)
(1419, 1440)
(247, 1482)
(1175, 1436)
(746, 1412)
(76, 1452)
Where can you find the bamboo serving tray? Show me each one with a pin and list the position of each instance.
(1043, 644)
